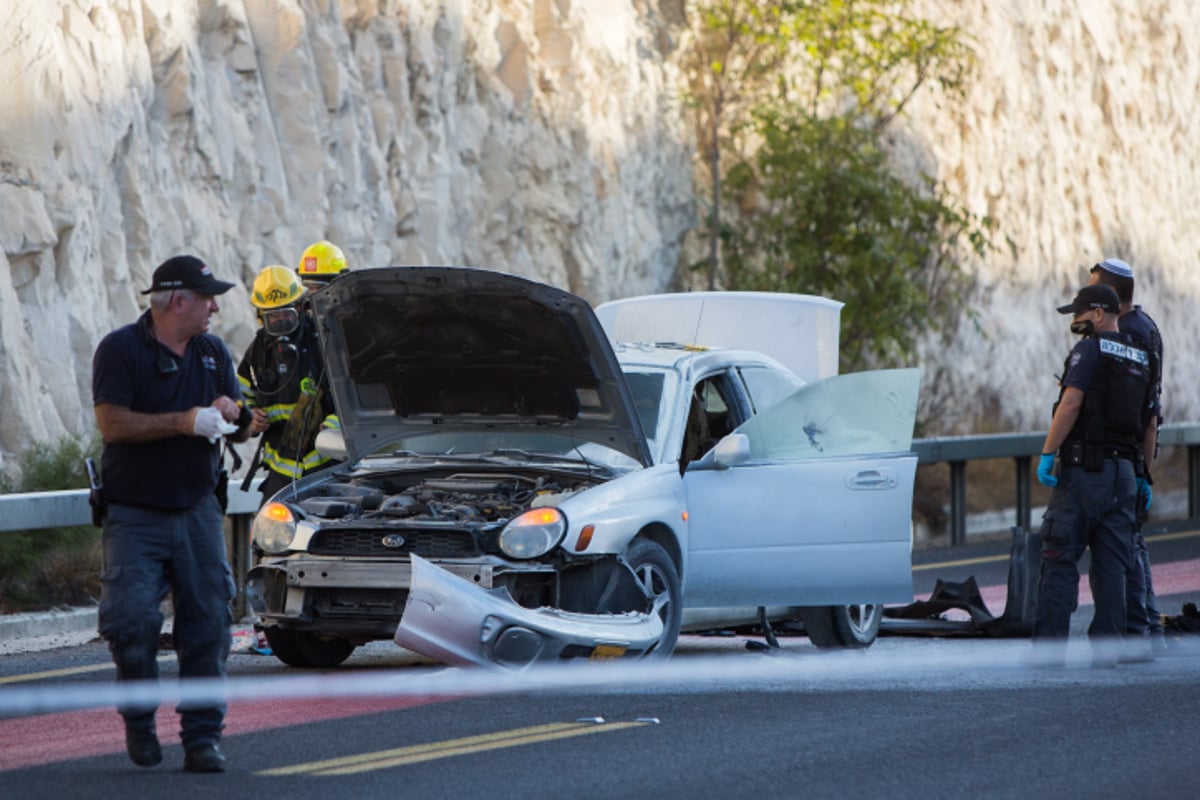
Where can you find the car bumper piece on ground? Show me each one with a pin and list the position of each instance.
(458, 623)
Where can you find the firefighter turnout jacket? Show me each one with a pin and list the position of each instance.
(283, 376)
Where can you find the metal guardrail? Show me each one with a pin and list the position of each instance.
(31, 511)
(956, 451)
(40, 510)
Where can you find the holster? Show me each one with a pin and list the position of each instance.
(1140, 512)
(221, 491)
(99, 506)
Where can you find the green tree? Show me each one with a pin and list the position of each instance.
(736, 54)
(821, 210)
(58, 566)
(838, 222)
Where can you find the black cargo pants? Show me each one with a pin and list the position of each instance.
(148, 553)
(1087, 511)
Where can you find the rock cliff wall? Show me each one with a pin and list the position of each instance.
(543, 137)
(1079, 139)
(547, 138)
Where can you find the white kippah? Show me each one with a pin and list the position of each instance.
(1117, 267)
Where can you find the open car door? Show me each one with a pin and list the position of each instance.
(820, 512)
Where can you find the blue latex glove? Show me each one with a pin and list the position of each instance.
(1046, 470)
(1144, 486)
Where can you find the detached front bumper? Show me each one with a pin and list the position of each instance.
(457, 622)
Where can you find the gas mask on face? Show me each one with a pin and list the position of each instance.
(279, 322)
(1083, 327)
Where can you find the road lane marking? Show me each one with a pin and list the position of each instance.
(1167, 537)
(33, 741)
(966, 562)
(360, 758)
(59, 673)
(962, 562)
(415, 754)
(464, 749)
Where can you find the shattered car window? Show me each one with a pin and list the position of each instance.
(855, 414)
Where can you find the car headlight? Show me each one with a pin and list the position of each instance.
(533, 533)
(274, 528)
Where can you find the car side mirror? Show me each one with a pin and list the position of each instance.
(732, 450)
(331, 444)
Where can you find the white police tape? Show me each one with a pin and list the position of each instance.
(976, 663)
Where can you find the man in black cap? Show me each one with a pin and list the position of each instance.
(1089, 459)
(165, 392)
(1144, 623)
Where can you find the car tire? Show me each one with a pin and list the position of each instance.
(306, 649)
(656, 574)
(845, 627)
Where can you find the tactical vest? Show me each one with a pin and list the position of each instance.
(1113, 406)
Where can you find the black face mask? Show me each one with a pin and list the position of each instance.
(1083, 327)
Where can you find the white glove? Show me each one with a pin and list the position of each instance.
(210, 424)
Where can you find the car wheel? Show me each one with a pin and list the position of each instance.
(306, 649)
(842, 626)
(657, 576)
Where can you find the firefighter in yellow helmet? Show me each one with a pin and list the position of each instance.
(282, 379)
(320, 263)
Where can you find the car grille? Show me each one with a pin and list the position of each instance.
(430, 544)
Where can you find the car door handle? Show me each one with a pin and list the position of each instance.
(872, 479)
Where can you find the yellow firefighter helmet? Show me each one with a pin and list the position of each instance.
(276, 286)
(321, 262)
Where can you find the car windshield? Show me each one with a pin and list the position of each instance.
(515, 446)
(647, 387)
(855, 414)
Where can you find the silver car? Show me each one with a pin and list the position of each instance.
(517, 488)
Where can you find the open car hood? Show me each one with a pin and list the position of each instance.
(415, 350)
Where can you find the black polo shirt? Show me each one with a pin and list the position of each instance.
(131, 369)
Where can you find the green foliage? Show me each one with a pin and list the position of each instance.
(737, 51)
(836, 221)
(44, 568)
(821, 210)
(873, 54)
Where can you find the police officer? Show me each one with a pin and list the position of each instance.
(1089, 458)
(1144, 618)
(282, 381)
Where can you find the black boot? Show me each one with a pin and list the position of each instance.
(204, 758)
(141, 743)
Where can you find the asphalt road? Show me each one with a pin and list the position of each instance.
(916, 717)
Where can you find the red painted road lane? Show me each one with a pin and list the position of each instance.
(53, 738)
(1176, 577)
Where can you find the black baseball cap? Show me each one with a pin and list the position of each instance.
(1090, 297)
(187, 272)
